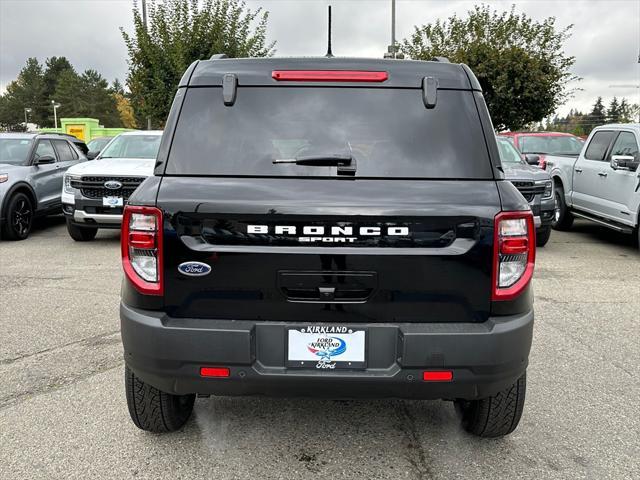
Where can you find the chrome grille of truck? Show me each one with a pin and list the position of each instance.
(93, 187)
(529, 189)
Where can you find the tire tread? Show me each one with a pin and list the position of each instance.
(154, 410)
(497, 415)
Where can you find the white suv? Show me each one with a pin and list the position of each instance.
(603, 184)
(94, 193)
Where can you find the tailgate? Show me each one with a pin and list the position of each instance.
(329, 250)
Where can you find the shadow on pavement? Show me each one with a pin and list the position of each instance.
(603, 234)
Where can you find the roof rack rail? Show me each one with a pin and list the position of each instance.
(56, 133)
(218, 56)
(440, 59)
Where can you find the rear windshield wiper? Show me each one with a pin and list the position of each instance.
(346, 163)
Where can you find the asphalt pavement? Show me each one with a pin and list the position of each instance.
(63, 413)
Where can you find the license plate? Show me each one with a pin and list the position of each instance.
(325, 347)
(112, 202)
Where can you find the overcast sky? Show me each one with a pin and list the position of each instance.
(605, 41)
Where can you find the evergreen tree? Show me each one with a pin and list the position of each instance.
(27, 91)
(598, 115)
(613, 112)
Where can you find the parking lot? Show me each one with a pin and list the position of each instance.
(63, 413)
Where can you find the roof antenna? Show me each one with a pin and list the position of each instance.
(329, 52)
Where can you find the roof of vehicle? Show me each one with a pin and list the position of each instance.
(537, 134)
(30, 135)
(18, 135)
(258, 71)
(632, 126)
(141, 132)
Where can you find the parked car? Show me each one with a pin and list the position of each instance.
(32, 166)
(540, 147)
(95, 193)
(534, 184)
(79, 143)
(602, 185)
(96, 145)
(320, 227)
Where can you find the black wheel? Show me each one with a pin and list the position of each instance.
(19, 217)
(495, 416)
(542, 236)
(562, 217)
(153, 410)
(81, 234)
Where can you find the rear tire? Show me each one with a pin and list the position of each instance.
(542, 236)
(153, 410)
(562, 218)
(497, 415)
(81, 234)
(19, 217)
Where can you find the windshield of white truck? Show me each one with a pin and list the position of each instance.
(133, 146)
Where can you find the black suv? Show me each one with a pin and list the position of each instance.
(328, 228)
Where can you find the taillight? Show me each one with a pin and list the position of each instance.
(141, 242)
(328, 76)
(514, 254)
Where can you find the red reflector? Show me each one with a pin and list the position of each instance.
(328, 76)
(514, 245)
(214, 372)
(142, 239)
(437, 376)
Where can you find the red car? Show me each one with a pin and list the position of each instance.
(536, 146)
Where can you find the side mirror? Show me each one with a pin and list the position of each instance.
(532, 158)
(624, 162)
(44, 160)
(91, 154)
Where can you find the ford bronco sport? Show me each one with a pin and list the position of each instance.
(328, 228)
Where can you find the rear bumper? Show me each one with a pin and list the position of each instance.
(168, 353)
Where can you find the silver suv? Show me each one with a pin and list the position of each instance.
(32, 167)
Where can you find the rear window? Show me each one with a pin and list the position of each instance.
(388, 132)
(550, 145)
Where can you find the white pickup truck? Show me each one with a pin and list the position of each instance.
(94, 193)
(603, 183)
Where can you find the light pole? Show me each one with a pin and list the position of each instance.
(55, 112)
(392, 50)
(26, 110)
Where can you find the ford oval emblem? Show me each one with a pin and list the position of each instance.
(113, 185)
(194, 269)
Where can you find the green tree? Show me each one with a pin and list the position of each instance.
(520, 63)
(598, 115)
(27, 91)
(116, 87)
(179, 32)
(87, 95)
(628, 112)
(613, 112)
(54, 67)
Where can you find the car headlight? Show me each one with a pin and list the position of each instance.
(67, 183)
(548, 188)
(4, 177)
